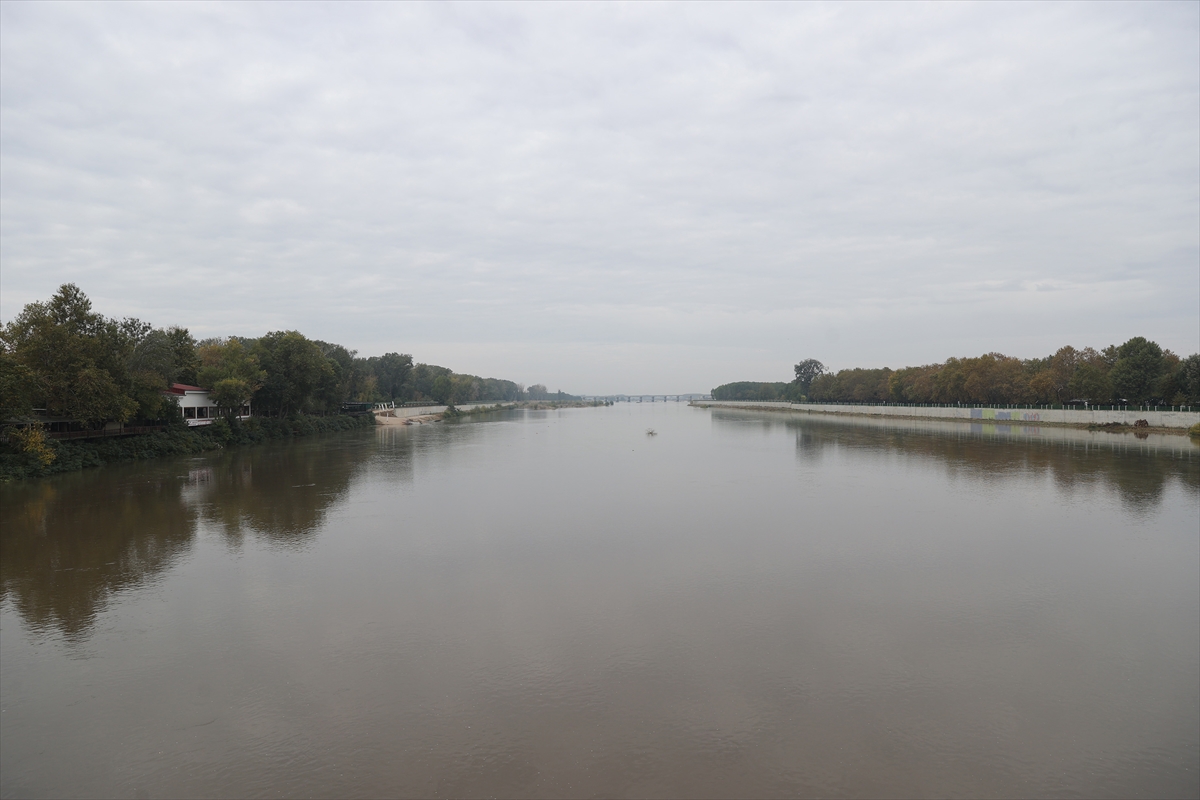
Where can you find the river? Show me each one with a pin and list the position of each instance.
(559, 604)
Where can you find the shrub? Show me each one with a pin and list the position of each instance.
(32, 443)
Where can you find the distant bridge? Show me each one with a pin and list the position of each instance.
(647, 398)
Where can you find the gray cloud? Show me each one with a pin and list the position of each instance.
(613, 197)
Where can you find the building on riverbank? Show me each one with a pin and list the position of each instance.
(196, 405)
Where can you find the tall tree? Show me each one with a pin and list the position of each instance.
(230, 372)
(442, 390)
(808, 371)
(1138, 366)
(16, 387)
(185, 359)
(392, 371)
(1062, 366)
(1189, 370)
(295, 368)
(422, 379)
(1090, 383)
(149, 361)
(75, 361)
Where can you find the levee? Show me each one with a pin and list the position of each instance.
(1156, 417)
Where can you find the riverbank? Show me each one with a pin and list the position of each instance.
(419, 419)
(420, 415)
(1121, 419)
(76, 455)
(546, 405)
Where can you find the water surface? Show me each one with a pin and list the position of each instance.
(557, 604)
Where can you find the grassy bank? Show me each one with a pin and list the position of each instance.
(454, 412)
(76, 455)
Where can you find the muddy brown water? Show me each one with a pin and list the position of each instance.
(554, 604)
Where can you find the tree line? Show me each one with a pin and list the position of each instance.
(1136, 372)
(62, 359)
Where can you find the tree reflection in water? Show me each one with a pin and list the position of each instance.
(1137, 468)
(70, 543)
(282, 493)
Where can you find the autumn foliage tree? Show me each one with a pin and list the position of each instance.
(1138, 371)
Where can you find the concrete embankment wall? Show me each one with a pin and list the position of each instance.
(1053, 416)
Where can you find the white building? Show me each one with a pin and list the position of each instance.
(196, 406)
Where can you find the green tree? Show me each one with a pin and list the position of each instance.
(465, 388)
(1090, 383)
(230, 394)
(16, 387)
(442, 389)
(345, 382)
(148, 363)
(99, 399)
(865, 385)
(949, 383)
(493, 390)
(152, 351)
(1189, 378)
(1137, 369)
(392, 371)
(76, 362)
(230, 372)
(741, 390)
(807, 371)
(295, 368)
(1062, 366)
(185, 360)
(420, 381)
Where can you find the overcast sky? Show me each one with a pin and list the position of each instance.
(611, 197)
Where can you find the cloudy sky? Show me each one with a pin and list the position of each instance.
(612, 197)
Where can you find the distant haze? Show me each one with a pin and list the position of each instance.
(609, 197)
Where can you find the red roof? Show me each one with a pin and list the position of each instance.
(180, 388)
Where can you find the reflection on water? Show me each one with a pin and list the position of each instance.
(1135, 466)
(281, 492)
(70, 543)
(68, 547)
(554, 604)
